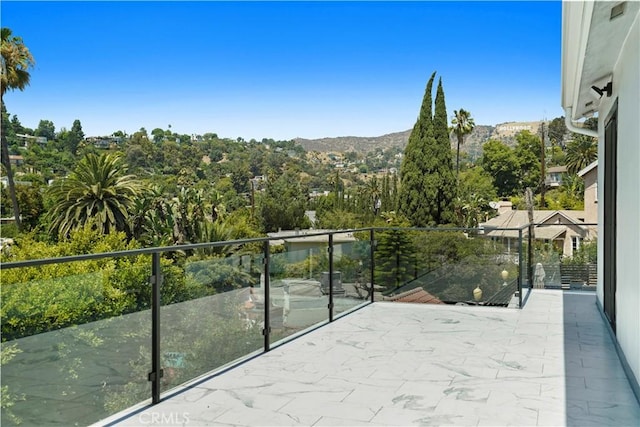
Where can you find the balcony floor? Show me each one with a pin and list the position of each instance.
(552, 363)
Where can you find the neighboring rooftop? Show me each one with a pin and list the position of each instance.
(587, 169)
(519, 218)
(310, 236)
(417, 295)
(557, 169)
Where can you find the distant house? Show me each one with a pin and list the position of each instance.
(554, 176)
(42, 140)
(300, 243)
(563, 229)
(103, 142)
(590, 176)
(16, 160)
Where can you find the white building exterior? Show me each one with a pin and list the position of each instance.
(601, 45)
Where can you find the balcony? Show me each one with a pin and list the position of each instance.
(551, 363)
(256, 337)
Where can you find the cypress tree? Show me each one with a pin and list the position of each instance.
(427, 182)
(442, 155)
(413, 196)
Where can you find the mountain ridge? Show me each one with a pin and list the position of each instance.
(505, 132)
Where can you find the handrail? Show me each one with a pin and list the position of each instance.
(160, 249)
(205, 245)
(264, 255)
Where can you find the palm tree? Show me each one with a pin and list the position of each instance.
(462, 125)
(16, 61)
(98, 193)
(581, 152)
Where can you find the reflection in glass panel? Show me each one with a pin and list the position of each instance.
(298, 299)
(76, 345)
(212, 314)
(452, 267)
(564, 257)
(352, 271)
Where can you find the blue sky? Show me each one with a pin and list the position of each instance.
(285, 69)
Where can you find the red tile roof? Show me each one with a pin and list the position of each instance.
(417, 295)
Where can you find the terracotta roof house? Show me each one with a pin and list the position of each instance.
(417, 295)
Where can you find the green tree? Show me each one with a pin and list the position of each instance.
(502, 164)
(442, 167)
(395, 254)
(47, 129)
(31, 203)
(283, 204)
(16, 126)
(97, 193)
(461, 125)
(74, 137)
(16, 62)
(8, 130)
(528, 150)
(158, 135)
(427, 181)
(557, 131)
(412, 196)
(475, 191)
(581, 152)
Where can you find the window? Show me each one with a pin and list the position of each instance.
(575, 243)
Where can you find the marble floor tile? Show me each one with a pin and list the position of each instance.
(390, 364)
(340, 422)
(408, 417)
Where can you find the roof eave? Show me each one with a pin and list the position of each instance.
(576, 21)
(587, 169)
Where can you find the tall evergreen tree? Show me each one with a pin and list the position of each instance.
(75, 136)
(442, 166)
(413, 195)
(427, 186)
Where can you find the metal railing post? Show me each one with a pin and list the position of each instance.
(267, 298)
(520, 269)
(330, 250)
(530, 260)
(156, 368)
(373, 253)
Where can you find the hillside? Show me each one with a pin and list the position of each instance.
(359, 144)
(473, 143)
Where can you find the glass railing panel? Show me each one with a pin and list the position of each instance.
(524, 255)
(461, 267)
(212, 312)
(352, 271)
(396, 259)
(76, 341)
(298, 279)
(564, 257)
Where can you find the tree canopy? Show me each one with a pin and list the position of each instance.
(461, 125)
(98, 193)
(427, 182)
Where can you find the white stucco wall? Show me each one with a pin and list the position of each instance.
(626, 88)
(590, 196)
